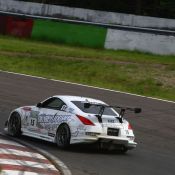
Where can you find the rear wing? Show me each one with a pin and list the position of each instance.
(121, 113)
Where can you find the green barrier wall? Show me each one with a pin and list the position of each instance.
(75, 34)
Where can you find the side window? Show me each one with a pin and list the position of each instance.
(54, 103)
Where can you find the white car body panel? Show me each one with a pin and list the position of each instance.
(42, 123)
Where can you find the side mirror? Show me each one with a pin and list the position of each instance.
(137, 110)
(39, 105)
(87, 105)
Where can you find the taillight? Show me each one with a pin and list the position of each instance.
(85, 121)
(129, 126)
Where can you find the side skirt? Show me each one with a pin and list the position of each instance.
(37, 135)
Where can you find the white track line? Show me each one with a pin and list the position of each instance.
(67, 82)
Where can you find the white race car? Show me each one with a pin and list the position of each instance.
(68, 120)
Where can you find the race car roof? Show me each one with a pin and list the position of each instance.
(78, 98)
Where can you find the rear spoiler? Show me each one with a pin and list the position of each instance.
(121, 113)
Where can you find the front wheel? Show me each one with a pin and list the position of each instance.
(63, 136)
(14, 125)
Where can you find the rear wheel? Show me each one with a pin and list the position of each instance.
(124, 150)
(14, 125)
(63, 136)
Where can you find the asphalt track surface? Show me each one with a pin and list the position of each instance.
(154, 128)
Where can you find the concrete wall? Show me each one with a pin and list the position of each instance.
(92, 36)
(87, 15)
(126, 40)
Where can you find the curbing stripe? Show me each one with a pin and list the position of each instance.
(16, 152)
(23, 168)
(29, 165)
(23, 158)
(56, 162)
(105, 89)
(4, 141)
(17, 148)
(14, 172)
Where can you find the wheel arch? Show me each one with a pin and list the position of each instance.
(14, 112)
(10, 123)
(64, 123)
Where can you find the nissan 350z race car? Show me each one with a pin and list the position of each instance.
(68, 120)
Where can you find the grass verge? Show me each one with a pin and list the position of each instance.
(134, 72)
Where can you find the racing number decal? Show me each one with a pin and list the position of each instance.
(33, 119)
(33, 122)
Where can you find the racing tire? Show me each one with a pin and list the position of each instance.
(63, 136)
(123, 150)
(14, 125)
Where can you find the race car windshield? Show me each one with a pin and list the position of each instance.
(93, 109)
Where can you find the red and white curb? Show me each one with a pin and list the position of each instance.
(16, 159)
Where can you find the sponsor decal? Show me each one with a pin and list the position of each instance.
(70, 110)
(79, 132)
(51, 134)
(45, 118)
(111, 121)
(33, 122)
(51, 122)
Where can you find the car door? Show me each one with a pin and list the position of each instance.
(42, 119)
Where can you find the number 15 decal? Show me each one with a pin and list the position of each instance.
(33, 122)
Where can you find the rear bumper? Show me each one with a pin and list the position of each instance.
(109, 140)
(118, 141)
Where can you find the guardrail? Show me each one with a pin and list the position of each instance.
(109, 26)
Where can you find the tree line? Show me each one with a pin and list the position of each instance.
(156, 8)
